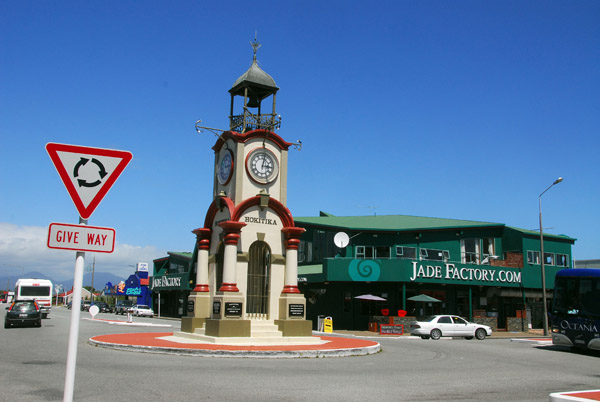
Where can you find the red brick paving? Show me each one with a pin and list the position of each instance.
(591, 395)
(152, 339)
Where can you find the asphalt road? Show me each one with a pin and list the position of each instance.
(33, 364)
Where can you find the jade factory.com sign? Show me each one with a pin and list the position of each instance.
(391, 270)
(452, 272)
(170, 282)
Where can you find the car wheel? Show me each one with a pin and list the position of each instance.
(38, 324)
(436, 334)
(480, 334)
(6, 325)
(424, 336)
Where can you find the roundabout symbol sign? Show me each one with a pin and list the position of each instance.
(82, 182)
(88, 173)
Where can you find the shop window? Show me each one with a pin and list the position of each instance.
(533, 257)
(305, 251)
(548, 258)
(434, 255)
(561, 260)
(347, 302)
(364, 252)
(382, 252)
(175, 268)
(489, 247)
(406, 252)
(469, 250)
(372, 252)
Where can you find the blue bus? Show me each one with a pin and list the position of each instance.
(575, 316)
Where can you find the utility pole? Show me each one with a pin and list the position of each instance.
(92, 288)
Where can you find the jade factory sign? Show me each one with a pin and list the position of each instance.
(452, 272)
(421, 271)
(170, 282)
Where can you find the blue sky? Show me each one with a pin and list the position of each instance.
(462, 109)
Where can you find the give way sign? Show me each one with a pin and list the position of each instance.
(64, 236)
(88, 173)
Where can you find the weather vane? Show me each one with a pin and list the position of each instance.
(255, 45)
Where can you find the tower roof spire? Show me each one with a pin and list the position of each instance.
(255, 46)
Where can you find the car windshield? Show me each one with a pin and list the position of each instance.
(428, 318)
(142, 306)
(23, 305)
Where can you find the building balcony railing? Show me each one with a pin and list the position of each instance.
(248, 121)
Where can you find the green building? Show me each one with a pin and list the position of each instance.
(481, 270)
(172, 280)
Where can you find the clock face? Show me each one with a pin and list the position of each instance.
(225, 167)
(262, 165)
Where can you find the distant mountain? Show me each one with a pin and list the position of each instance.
(100, 280)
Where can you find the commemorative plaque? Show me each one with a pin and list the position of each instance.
(296, 310)
(233, 309)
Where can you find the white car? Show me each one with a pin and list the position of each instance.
(436, 326)
(142, 310)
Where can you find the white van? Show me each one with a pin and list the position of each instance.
(39, 290)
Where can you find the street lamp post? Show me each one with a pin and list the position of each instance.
(542, 258)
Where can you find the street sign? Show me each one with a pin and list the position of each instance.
(64, 236)
(88, 173)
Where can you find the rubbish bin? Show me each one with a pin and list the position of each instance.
(321, 323)
(373, 326)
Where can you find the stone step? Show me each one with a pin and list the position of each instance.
(186, 337)
(264, 329)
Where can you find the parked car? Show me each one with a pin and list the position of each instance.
(124, 306)
(142, 310)
(23, 312)
(436, 326)
(85, 305)
(102, 307)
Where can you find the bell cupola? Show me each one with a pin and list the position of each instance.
(254, 86)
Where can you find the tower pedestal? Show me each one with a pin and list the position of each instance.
(226, 318)
(198, 310)
(292, 313)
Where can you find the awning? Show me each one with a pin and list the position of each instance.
(370, 297)
(424, 298)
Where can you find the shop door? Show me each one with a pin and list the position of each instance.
(259, 269)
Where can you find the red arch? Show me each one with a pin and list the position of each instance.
(217, 205)
(284, 214)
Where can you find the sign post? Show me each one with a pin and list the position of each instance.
(88, 173)
(74, 329)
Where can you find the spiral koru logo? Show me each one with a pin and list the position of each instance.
(364, 270)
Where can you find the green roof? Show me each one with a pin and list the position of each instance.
(181, 254)
(390, 222)
(536, 233)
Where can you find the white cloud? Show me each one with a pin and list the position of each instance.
(24, 249)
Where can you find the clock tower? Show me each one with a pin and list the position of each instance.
(247, 249)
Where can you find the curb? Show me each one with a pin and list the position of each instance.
(118, 342)
(129, 324)
(582, 396)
